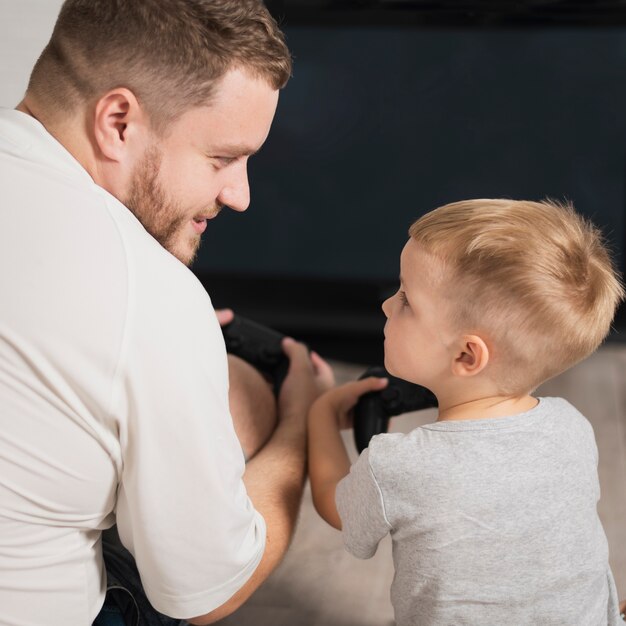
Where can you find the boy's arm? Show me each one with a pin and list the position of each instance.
(328, 458)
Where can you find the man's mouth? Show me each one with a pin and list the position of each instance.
(199, 224)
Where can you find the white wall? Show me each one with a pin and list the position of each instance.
(25, 27)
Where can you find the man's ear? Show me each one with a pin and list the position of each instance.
(120, 125)
(471, 357)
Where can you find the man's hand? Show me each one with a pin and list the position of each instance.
(309, 376)
(224, 316)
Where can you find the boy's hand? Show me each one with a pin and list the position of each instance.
(342, 400)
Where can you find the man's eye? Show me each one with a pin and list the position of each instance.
(223, 161)
(403, 298)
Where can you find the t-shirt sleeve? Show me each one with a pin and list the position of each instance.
(182, 509)
(362, 509)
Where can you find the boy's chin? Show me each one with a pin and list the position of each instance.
(399, 373)
(389, 367)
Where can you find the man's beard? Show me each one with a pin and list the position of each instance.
(165, 220)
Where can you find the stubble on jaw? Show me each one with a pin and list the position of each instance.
(162, 217)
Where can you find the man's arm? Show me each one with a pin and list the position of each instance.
(328, 459)
(275, 476)
(253, 406)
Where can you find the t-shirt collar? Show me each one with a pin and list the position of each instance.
(23, 135)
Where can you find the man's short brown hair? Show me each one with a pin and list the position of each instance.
(534, 277)
(169, 53)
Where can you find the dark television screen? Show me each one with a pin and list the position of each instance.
(380, 124)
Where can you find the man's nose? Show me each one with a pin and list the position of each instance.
(385, 306)
(236, 194)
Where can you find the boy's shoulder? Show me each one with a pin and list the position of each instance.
(560, 413)
(552, 415)
(468, 455)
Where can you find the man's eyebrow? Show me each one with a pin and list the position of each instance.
(235, 150)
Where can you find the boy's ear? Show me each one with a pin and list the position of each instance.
(471, 357)
(120, 124)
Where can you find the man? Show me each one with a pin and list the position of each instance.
(136, 129)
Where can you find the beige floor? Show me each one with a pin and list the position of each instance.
(319, 584)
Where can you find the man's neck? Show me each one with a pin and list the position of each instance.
(24, 108)
(64, 134)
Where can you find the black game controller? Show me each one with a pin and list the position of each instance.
(373, 410)
(260, 346)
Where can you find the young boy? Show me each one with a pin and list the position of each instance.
(492, 509)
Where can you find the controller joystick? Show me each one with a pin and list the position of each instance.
(260, 346)
(373, 410)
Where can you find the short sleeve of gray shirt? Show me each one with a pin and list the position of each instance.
(493, 521)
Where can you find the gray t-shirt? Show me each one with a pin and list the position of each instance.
(493, 521)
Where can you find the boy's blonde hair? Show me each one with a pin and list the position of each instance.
(535, 278)
(169, 53)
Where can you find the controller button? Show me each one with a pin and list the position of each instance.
(270, 356)
(390, 394)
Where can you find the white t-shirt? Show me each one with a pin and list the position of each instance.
(113, 403)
